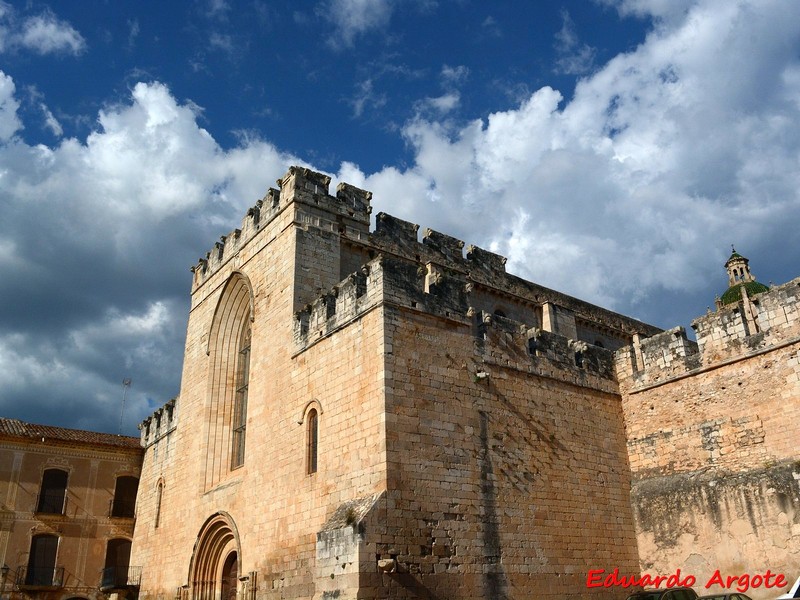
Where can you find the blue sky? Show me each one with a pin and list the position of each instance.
(611, 149)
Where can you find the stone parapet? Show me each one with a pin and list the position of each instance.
(164, 420)
(349, 210)
(728, 334)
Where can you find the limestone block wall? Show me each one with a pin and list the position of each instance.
(275, 504)
(712, 440)
(507, 470)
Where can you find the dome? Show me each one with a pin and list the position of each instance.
(734, 293)
(739, 276)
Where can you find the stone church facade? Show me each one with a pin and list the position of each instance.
(366, 415)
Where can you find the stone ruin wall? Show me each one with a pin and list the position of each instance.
(713, 438)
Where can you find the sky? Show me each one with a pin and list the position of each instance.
(611, 149)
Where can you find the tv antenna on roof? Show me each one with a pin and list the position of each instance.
(126, 384)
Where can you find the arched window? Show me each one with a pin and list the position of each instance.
(53, 493)
(159, 494)
(229, 374)
(125, 497)
(312, 438)
(240, 401)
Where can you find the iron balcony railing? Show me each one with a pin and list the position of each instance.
(35, 577)
(119, 578)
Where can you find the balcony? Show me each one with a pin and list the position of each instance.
(40, 578)
(118, 579)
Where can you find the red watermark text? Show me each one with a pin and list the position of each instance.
(600, 578)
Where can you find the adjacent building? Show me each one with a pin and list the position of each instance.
(67, 511)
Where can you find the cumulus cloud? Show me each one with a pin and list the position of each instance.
(634, 188)
(112, 223)
(9, 121)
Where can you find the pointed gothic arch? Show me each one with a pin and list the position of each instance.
(229, 372)
(216, 559)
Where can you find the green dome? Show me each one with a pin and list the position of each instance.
(734, 293)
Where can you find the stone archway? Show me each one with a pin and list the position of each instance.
(213, 574)
(230, 577)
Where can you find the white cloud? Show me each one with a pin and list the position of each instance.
(366, 97)
(637, 185)
(441, 104)
(573, 57)
(9, 121)
(51, 122)
(351, 18)
(113, 223)
(454, 75)
(46, 34)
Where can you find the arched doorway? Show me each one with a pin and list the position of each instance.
(230, 577)
(214, 572)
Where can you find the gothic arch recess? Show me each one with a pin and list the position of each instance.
(226, 407)
(215, 551)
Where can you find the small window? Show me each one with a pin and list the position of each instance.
(159, 494)
(125, 497)
(53, 494)
(42, 561)
(500, 313)
(312, 434)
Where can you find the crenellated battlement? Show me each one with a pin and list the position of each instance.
(434, 274)
(346, 301)
(348, 213)
(506, 344)
(485, 271)
(163, 421)
(446, 293)
(742, 329)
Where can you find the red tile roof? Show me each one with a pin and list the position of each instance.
(20, 429)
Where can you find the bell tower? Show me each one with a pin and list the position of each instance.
(738, 269)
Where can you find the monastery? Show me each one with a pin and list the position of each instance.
(388, 414)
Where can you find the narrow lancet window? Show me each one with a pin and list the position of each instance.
(312, 437)
(240, 400)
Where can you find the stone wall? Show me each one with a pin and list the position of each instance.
(712, 439)
(507, 468)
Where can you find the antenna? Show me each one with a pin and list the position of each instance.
(126, 383)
